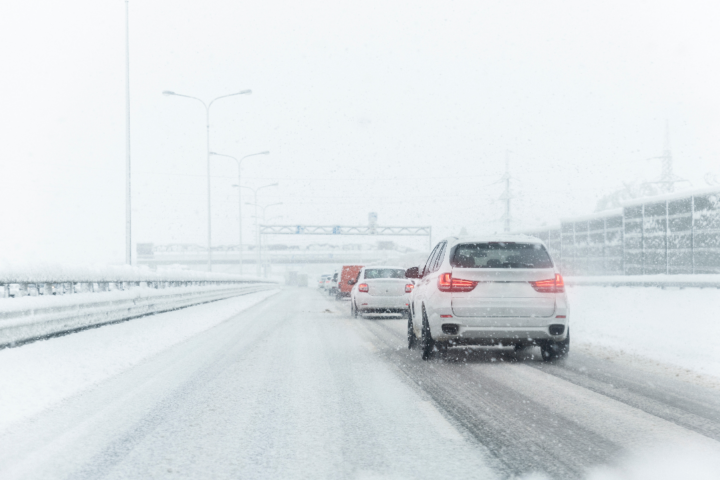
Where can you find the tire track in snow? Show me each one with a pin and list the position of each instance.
(546, 417)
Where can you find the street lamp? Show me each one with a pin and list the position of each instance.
(255, 192)
(207, 126)
(239, 163)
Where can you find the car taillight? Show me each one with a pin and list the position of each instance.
(446, 283)
(551, 285)
(409, 288)
(363, 287)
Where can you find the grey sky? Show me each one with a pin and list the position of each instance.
(404, 108)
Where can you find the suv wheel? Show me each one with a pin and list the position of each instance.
(427, 344)
(412, 339)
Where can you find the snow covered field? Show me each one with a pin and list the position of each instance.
(671, 326)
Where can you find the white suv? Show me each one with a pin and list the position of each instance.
(499, 290)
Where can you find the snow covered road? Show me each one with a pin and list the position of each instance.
(293, 387)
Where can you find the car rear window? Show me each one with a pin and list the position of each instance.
(384, 273)
(501, 255)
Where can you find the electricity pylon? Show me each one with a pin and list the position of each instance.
(506, 196)
(667, 177)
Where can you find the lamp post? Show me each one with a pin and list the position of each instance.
(257, 227)
(207, 127)
(239, 164)
(255, 192)
(128, 192)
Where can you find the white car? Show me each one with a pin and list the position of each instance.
(496, 290)
(380, 290)
(321, 282)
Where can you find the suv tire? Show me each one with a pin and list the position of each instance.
(427, 344)
(412, 339)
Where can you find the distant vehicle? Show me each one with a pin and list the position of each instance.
(332, 285)
(323, 281)
(495, 290)
(348, 276)
(327, 282)
(291, 278)
(296, 279)
(56, 289)
(32, 290)
(380, 290)
(16, 290)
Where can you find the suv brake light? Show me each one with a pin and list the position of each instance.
(551, 285)
(409, 288)
(363, 287)
(446, 283)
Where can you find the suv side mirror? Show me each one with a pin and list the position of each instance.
(413, 272)
(351, 282)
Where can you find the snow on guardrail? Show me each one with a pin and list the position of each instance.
(33, 272)
(662, 281)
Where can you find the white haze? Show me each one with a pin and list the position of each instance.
(404, 108)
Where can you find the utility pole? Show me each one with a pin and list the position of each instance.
(506, 194)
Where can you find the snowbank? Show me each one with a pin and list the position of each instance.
(19, 272)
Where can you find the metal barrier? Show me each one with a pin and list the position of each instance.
(24, 288)
(665, 281)
(26, 321)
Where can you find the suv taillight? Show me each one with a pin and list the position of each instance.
(409, 288)
(446, 283)
(551, 285)
(363, 287)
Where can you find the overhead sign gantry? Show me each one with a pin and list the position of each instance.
(371, 229)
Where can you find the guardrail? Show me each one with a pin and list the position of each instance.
(659, 281)
(14, 289)
(29, 319)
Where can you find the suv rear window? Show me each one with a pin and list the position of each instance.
(501, 255)
(384, 273)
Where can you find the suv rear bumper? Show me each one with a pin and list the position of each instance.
(467, 335)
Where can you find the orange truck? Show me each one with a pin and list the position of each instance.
(349, 272)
